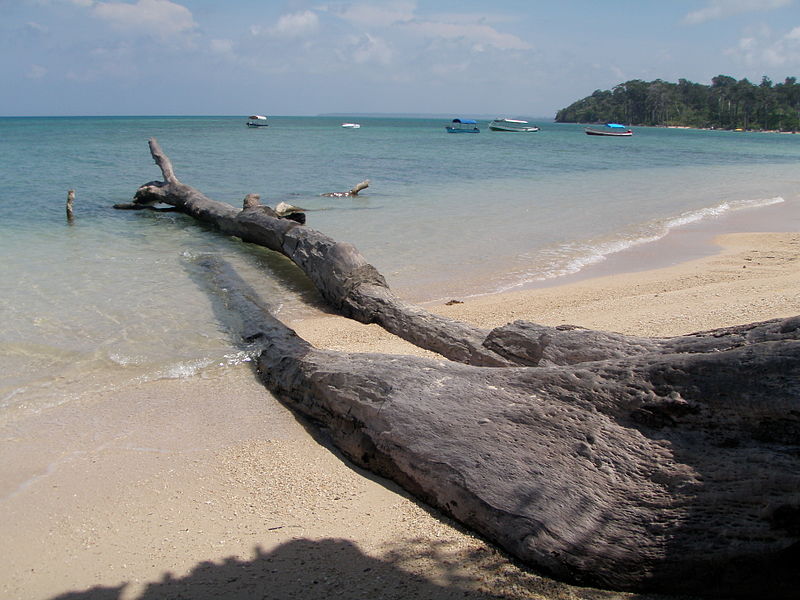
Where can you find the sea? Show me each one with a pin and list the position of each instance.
(115, 298)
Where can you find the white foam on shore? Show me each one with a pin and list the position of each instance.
(192, 368)
(106, 373)
(568, 259)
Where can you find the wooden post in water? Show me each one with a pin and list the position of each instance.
(70, 200)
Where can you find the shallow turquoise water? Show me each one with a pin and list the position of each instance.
(114, 296)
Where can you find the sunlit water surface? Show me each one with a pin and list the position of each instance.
(118, 297)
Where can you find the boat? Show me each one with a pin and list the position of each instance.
(463, 126)
(351, 125)
(513, 125)
(257, 121)
(611, 129)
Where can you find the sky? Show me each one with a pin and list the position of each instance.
(450, 57)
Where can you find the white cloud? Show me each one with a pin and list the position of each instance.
(763, 50)
(478, 34)
(36, 72)
(370, 15)
(160, 17)
(222, 47)
(36, 27)
(720, 9)
(747, 44)
(470, 28)
(296, 24)
(365, 49)
(51, 2)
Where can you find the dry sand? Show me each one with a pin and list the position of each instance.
(208, 488)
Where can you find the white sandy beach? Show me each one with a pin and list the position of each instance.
(209, 488)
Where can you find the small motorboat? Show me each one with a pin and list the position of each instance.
(257, 121)
(351, 125)
(512, 125)
(463, 126)
(611, 129)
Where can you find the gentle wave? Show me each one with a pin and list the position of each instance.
(693, 216)
(568, 259)
(105, 374)
(192, 368)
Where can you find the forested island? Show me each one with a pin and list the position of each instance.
(725, 104)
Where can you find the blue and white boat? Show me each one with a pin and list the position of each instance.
(463, 126)
(611, 129)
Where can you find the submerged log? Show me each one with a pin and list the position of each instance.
(619, 461)
(343, 277)
(664, 471)
(351, 192)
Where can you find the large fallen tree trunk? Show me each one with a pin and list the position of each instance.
(631, 463)
(357, 290)
(675, 472)
(341, 274)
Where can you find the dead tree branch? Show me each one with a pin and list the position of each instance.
(667, 471)
(619, 461)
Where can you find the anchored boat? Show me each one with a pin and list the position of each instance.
(463, 126)
(611, 129)
(512, 125)
(257, 121)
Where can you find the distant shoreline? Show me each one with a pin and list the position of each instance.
(322, 115)
(737, 130)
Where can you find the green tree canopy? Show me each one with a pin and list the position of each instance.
(725, 104)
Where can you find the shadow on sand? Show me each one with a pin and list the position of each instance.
(309, 570)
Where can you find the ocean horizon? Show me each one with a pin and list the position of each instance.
(368, 115)
(117, 297)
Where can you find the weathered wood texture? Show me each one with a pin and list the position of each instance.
(70, 205)
(341, 274)
(666, 471)
(624, 462)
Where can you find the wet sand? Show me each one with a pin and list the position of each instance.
(208, 488)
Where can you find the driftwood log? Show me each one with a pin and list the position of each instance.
(629, 463)
(343, 277)
(353, 191)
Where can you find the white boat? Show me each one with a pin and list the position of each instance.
(257, 121)
(513, 125)
(610, 130)
(351, 125)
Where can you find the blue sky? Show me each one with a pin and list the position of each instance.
(295, 57)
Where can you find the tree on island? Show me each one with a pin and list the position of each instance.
(725, 104)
